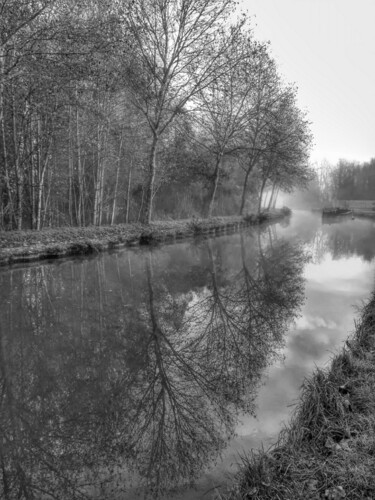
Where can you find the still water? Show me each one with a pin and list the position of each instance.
(146, 372)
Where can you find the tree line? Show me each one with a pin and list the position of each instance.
(346, 180)
(117, 111)
(354, 181)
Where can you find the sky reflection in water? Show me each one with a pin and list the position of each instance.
(145, 364)
(339, 277)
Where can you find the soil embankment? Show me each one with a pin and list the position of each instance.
(29, 246)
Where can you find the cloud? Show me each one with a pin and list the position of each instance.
(307, 322)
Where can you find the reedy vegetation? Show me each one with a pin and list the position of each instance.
(327, 450)
(112, 109)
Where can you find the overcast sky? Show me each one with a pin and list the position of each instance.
(327, 47)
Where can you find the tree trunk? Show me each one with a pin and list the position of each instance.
(261, 195)
(243, 196)
(141, 207)
(97, 180)
(47, 204)
(9, 207)
(219, 160)
(275, 197)
(41, 175)
(17, 166)
(271, 197)
(102, 174)
(146, 212)
(79, 169)
(128, 192)
(115, 195)
(116, 184)
(32, 174)
(101, 194)
(70, 169)
(253, 159)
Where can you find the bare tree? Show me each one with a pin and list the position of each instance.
(20, 30)
(284, 163)
(222, 107)
(265, 92)
(174, 53)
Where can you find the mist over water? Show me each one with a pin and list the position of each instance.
(145, 371)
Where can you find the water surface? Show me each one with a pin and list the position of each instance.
(145, 372)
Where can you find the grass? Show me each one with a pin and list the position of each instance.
(28, 246)
(328, 449)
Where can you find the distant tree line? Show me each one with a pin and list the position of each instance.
(354, 181)
(347, 180)
(119, 111)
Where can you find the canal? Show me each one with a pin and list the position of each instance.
(148, 372)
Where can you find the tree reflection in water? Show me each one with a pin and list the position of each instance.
(112, 373)
(344, 237)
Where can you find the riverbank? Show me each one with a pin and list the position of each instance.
(29, 246)
(328, 449)
(335, 212)
(364, 213)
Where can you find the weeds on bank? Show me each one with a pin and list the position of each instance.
(27, 246)
(328, 450)
(13, 239)
(119, 232)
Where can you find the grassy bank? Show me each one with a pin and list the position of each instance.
(328, 450)
(28, 246)
(364, 213)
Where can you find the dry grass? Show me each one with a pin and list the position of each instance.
(328, 450)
